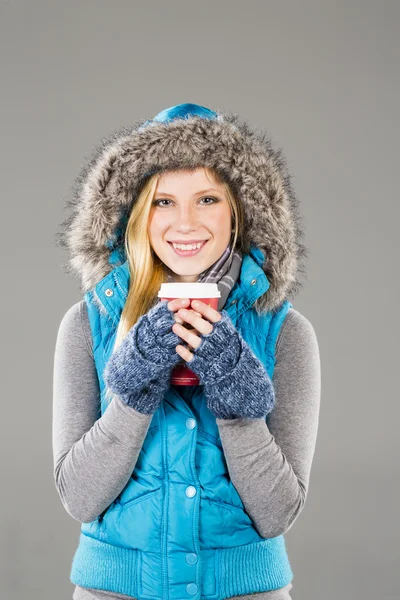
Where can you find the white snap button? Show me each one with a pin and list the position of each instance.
(191, 558)
(190, 491)
(253, 282)
(191, 589)
(190, 423)
(108, 292)
(233, 302)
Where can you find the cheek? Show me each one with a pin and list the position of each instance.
(156, 228)
(222, 222)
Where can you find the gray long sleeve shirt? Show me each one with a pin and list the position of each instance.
(269, 461)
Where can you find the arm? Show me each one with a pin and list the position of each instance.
(94, 455)
(269, 461)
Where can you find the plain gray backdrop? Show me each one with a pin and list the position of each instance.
(322, 78)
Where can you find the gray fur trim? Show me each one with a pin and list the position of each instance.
(98, 303)
(104, 191)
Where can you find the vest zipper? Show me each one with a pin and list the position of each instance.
(164, 563)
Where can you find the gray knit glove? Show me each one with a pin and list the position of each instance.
(139, 370)
(235, 381)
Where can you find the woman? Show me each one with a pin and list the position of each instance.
(184, 491)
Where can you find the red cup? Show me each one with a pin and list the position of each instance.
(207, 293)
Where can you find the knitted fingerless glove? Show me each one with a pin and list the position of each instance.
(235, 381)
(138, 371)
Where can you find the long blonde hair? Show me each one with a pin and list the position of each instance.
(147, 271)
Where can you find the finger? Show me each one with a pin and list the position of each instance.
(177, 303)
(191, 336)
(179, 320)
(184, 353)
(193, 331)
(186, 326)
(188, 336)
(198, 323)
(206, 310)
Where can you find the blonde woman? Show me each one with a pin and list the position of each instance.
(184, 491)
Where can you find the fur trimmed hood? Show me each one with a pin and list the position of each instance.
(185, 136)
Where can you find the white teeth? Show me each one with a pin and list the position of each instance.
(187, 247)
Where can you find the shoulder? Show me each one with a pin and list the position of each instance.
(70, 321)
(75, 327)
(74, 316)
(297, 334)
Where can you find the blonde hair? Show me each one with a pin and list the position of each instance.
(147, 271)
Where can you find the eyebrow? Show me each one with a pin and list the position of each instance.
(196, 194)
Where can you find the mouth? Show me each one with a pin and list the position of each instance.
(180, 252)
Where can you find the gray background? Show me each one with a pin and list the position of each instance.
(323, 79)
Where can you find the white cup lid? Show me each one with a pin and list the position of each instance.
(189, 290)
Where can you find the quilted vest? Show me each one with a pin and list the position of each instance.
(179, 529)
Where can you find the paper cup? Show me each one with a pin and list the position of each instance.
(207, 293)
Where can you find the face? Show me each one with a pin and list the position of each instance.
(189, 208)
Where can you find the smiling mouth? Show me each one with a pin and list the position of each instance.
(188, 253)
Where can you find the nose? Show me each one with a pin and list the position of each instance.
(186, 220)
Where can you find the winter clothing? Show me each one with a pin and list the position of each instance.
(94, 457)
(176, 517)
(235, 382)
(105, 191)
(172, 512)
(139, 370)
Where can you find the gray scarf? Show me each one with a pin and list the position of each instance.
(224, 272)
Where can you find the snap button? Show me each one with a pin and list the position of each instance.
(190, 423)
(191, 558)
(191, 589)
(233, 302)
(108, 292)
(253, 282)
(190, 491)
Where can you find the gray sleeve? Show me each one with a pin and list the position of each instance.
(269, 461)
(93, 455)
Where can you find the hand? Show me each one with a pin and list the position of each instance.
(174, 306)
(218, 349)
(236, 384)
(195, 318)
(138, 370)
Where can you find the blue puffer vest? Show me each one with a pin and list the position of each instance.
(179, 528)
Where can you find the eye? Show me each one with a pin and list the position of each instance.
(214, 200)
(157, 202)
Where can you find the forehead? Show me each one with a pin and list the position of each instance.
(183, 179)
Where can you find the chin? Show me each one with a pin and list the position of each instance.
(194, 271)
